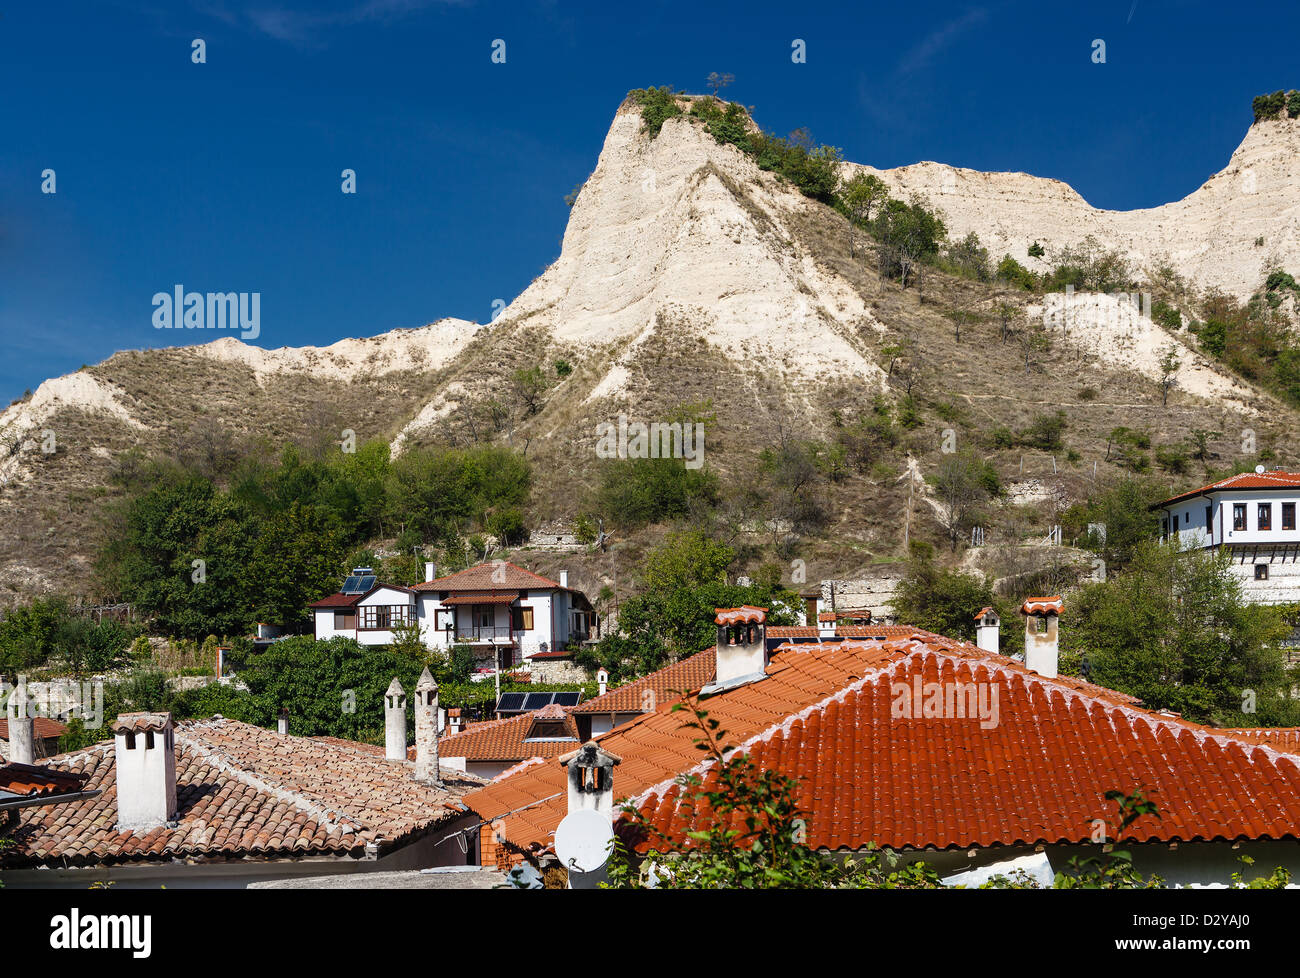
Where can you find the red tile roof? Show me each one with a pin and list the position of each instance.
(745, 614)
(494, 576)
(242, 792)
(140, 722)
(34, 780)
(341, 600)
(979, 615)
(824, 714)
(1244, 480)
(43, 728)
(507, 740)
(1039, 606)
(689, 674)
(1284, 739)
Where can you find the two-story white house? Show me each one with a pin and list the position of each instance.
(1253, 517)
(493, 606)
(502, 606)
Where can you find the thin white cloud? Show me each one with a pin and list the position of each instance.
(930, 47)
(295, 26)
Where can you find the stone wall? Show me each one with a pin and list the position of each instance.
(875, 592)
(557, 671)
(1283, 583)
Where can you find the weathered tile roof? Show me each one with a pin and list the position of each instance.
(825, 714)
(34, 780)
(690, 673)
(242, 792)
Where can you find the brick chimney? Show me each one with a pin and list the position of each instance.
(395, 722)
(591, 778)
(426, 729)
(145, 758)
(1042, 618)
(742, 647)
(22, 725)
(988, 630)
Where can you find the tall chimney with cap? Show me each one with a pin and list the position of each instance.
(453, 720)
(426, 729)
(1042, 618)
(564, 578)
(145, 758)
(395, 722)
(283, 725)
(430, 571)
(742, 647)
(591, 778)
(22, 725)
(602, 682)
(988, 630)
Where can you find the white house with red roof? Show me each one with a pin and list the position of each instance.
(364, 609)
(1252, 516)
(492, 606)
(501, 606)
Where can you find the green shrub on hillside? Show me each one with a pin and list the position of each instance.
(1268, 106)
(1012, 272)
(658, 105)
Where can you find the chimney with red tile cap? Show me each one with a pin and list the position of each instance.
(988, 630)
(426, 729)
(742, 647)
(22, 725)
(1042, 618)
(145, 761)
(395, 722)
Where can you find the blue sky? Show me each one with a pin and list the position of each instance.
(225, 176)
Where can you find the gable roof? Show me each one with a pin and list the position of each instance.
(341, 600)
(825, 715)
(43, 728)
(1242, 481)
(507, 740)
(493, 576)
(242, 792)
(1038, 776)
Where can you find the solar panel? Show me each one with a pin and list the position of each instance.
(366, 584)
(350, 586)
(512, 702)
(535, 701)
(568, 698)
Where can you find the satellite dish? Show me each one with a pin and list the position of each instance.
(1259, 470)
(583, 840)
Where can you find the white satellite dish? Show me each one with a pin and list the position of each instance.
(1259, 470)
(583, 839)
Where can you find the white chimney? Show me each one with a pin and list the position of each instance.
(564, 578)
(453, 720)
(987, 630)
(826, 624)
(602, 681)
(283, 725)
(426, 729)
(145, 759)
(742, 647)
(22, 724)
(1042, 618)
(395, 722)
(430, 571)
(591, 778)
